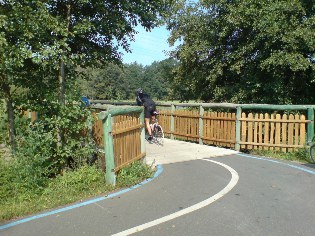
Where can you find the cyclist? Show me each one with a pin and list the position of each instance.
(150, 111)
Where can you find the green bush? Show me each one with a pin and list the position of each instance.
(40, 138)
(85, 178)
(20, 194)
(133, 174)
(20, 179)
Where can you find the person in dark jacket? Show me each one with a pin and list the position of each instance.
(150, 112)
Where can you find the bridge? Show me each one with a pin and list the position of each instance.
(197, 190)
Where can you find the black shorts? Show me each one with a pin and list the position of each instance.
(148, 111)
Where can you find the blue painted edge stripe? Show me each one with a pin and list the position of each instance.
(156, 174)
(278, 162)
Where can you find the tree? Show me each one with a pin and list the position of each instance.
(157, 77)
(17, 23)
(104, 83)
(56, 36)
(113, 82)
(246, 51)
(87, 30)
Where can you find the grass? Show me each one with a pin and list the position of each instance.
(73, 186)
(299, 155)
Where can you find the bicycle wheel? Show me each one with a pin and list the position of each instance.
(158, 134)
(312, 153)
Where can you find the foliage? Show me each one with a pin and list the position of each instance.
(157, 77)
(73, 31)
(300, 155)
(73, 185)
(22, 178)
(39, 139)
(17, 199)
(104, 83)
(134, 174)
(240, 51)
(115, 82)
(41, 41)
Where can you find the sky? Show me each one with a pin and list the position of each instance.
(148, 46)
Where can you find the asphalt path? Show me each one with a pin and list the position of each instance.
(230, 194)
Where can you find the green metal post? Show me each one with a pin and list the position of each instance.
(238, 128)
(310, 126)
(201, 112)
(173, 108)
(110, 176)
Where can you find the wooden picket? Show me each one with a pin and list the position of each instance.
(219, 129)
(186, 126)
(164, 119)
(279, 132)
(98, 133)
(127, 142)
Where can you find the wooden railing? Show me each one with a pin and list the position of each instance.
(120, 133)
(240, 126)
(273, 132)
(218, 128)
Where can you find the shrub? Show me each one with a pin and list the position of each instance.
(72, 149)
(85, 178)
(133, 174)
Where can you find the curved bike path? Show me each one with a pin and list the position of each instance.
(262, 197)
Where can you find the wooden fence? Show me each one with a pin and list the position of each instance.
(273, 131)
(127, 139)
(120, 133)
(258, 131)
(243, 126)
(33, 115)
(218, 127)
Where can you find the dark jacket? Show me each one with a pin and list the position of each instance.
(144, 99)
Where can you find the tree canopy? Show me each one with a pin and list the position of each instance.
(245, 51)
(114, 82)
(43, 42)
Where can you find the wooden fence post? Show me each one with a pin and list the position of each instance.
(310, 126)
(29, 114)
(142, 132)
(201, 112)
(173, 108)
(110, 176)
(238, 128)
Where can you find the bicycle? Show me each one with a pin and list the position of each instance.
(157, 133)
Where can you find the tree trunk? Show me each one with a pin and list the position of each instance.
(62, 80)
(10, 112)
(62, 87)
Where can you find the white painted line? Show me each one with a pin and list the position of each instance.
(190, 209)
